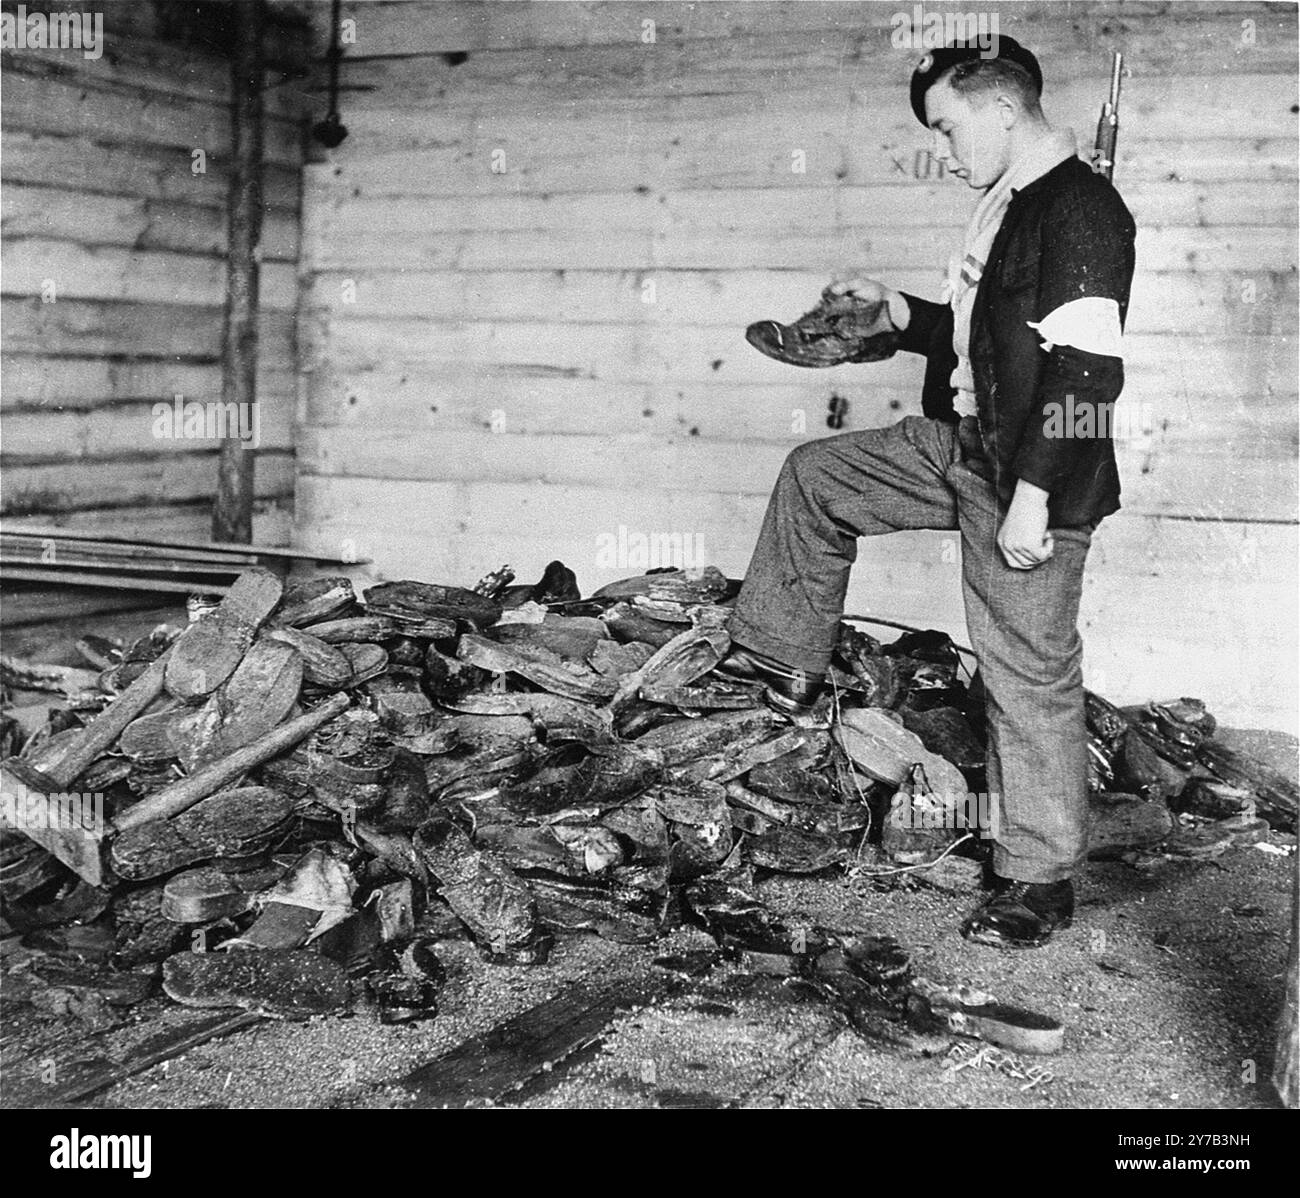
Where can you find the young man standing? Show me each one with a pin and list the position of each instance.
(1027, 344)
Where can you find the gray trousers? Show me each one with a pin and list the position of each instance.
(1022, 623)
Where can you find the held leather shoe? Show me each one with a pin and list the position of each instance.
(787, 687)
(1022, 914)
(842, 328)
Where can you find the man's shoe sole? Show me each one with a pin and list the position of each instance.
(746, 669)
(995, 940)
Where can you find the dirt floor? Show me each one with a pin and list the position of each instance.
(1168, 985)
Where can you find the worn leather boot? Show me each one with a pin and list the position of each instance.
(787, 687)
(1022, 914)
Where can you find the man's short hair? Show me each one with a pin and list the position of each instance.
(984, 76)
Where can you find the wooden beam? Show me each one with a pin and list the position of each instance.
(232, 516)
(67, 824)
(91, 1073)
(241, 554)
(180, 796)
(488, 1067)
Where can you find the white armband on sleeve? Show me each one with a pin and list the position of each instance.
(1090, 324)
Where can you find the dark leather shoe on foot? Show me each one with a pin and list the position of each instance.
(1022, 914)
(788, 687)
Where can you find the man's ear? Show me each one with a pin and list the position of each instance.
(1008, 109)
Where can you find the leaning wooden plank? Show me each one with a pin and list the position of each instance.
(238, 550)
(56, 544)
(132, 582)
(68, 825)
(489, 1066)
(106, 727)
(77, 562)
(179, 796)
(36, 798)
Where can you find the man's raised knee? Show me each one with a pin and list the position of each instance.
(804, 461)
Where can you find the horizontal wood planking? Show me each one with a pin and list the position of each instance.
(1149, 579)
(547, 516)
(699, 160)
(134, 65)
(432, 27)
(90, 219)
(1242, 478)
(82, 384)
(130, 428)
(818, 118)
(131, 481)
(147, 276)
(1184, 302)
(1228, 247)
(1070, 49)
(419, 401)
(145, 172)
(35, 104)
(181, 521)
(104, 198)
(339, 213)
(203, 30)
(125, 329)
(516, 300)
(1224, 365)
(1153, 430)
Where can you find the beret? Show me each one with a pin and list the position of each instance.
(933, 65)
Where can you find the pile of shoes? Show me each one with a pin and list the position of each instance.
(306, 790)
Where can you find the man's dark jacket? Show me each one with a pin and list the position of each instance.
(1065, 236)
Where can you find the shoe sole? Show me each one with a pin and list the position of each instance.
(787, 706)
(994, 941)
(773, 697)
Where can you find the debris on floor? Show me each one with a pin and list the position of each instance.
(288, 805)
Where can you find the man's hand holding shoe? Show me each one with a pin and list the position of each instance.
(872, 292)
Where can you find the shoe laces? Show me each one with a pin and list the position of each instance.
(837, 318)
(1017, 892)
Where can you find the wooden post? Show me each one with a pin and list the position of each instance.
(232, 514)
(1286, 1060)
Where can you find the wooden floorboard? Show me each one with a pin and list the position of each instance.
(491, 1066)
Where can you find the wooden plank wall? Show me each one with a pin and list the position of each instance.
(114, 272)
(529, 267)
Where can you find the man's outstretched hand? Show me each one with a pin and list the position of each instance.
(873, 292)
(1023, 537)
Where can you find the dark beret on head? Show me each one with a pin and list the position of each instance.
(933, 65)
